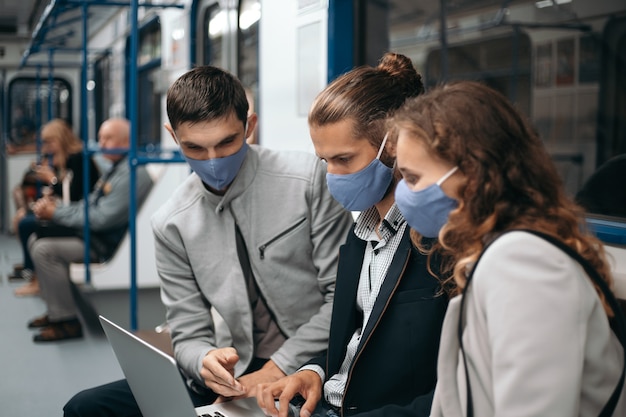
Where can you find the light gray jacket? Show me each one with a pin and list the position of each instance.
(536, 337)
(292, 228)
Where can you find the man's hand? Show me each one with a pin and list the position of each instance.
(267, 374)
(306, 383)
(218, 370)
(44, 208)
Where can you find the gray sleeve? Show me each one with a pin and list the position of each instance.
(330, 224)
(112, 209)
(191, 339)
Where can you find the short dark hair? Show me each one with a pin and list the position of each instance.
(205, 93)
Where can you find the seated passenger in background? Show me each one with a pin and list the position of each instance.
(536, 338)
(252, 234)
(62, 164)
(108, 220)
(604, 192)
(389, 303)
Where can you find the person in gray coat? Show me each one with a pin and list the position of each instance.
(530, 333)
(246, 250)
(54, 247)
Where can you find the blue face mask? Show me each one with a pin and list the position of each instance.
(361, 190)
(218, 173)
(426, 210)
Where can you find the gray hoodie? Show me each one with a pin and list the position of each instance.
(292, 228)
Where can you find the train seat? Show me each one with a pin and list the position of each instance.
(618, 267)
(115, 272)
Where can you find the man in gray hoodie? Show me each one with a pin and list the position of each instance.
(250, 238)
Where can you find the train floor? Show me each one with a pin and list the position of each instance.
(38, 379)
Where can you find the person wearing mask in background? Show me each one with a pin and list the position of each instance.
(389, 302)
(253, 235)
(109, 204)
(531, 332)
(61, 171)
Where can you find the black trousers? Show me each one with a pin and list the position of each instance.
(116, 399)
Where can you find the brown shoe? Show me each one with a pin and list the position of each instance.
(62, 330)
(29, 289)
(39, 322)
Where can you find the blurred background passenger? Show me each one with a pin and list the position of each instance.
(60, 172)
(252, 139)
(535, 335)
(389, 302)
(53, 250)
(605, 191)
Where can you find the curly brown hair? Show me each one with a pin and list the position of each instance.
(510, 179)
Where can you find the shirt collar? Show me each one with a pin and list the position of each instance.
(368, 220)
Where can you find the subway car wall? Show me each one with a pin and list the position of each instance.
(561, 63)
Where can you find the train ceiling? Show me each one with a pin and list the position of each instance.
(57, 34)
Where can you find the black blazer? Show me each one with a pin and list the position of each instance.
(395, 368)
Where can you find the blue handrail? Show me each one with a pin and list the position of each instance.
(608, 229)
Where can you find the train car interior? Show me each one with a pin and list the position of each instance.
(561, 62)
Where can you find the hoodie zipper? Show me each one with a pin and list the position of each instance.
(275, 238)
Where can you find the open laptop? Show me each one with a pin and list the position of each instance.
(157, 384)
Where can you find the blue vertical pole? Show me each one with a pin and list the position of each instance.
(132, 160)
(38, 117)
(50, 82)
(443, 38)
(84, 132)
(514, 64)
(340, 37)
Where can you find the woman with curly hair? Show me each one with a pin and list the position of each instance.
(532, 334)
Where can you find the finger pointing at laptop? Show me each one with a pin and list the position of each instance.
(218, 368)
(218, 373)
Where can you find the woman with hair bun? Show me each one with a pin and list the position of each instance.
(389, 304)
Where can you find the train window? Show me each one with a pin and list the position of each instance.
(249, 15)
(149, 43)
(32, 102)
(567, 75)
(502, 62)
(603, 191)
(213, 28)
(248, 62)
(148, 94)
(233, 44)
(102, 89)
(589, 61)
(565, 103)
